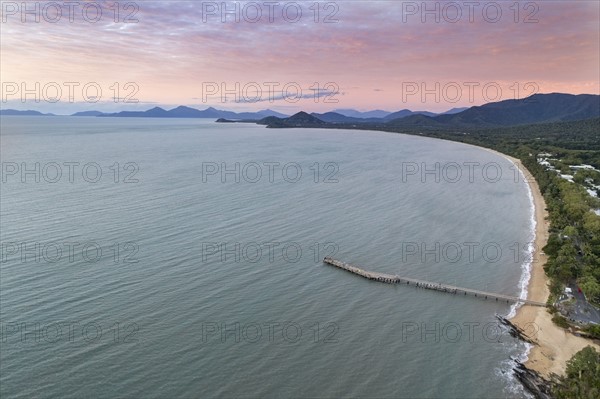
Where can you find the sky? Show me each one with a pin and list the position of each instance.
(288, 56)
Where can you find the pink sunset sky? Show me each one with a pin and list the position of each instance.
(364, 55)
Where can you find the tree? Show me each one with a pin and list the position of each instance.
(553, 245)
(566, 262)
(582, 378)
(570, 231)
(591, 288)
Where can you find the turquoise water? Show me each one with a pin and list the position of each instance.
(174, 279)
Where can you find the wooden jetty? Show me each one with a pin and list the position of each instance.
(389, 279)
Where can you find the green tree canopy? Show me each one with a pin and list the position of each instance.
(582, 379)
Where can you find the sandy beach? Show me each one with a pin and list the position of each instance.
(554, 345)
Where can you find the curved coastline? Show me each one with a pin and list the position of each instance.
(554, 346)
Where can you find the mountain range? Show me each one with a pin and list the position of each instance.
(538, 108)
(336, 116)
(157, 112)
(380, 114)
(13, 112)
(188, 112)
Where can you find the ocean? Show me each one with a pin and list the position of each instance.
(183, 258)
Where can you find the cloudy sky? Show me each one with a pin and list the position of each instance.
(289, 56)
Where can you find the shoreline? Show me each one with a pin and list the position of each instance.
(553, 345)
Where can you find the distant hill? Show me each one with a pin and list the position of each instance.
(415, 120)
(269, 112)
(538, 108)
(334, 117)
(14, 112)
(301, 119)
(188, 112)
(407, 112)
(158, 112)
(454, 110)
(155, 112)
(352, 113)
(387, 115)
(253, 115)
(88, 113)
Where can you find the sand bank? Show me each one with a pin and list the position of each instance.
(554, 345)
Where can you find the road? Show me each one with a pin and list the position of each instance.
(582, 311)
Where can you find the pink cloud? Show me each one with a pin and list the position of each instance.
(170, 52)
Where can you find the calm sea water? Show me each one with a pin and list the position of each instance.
(137, 266)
